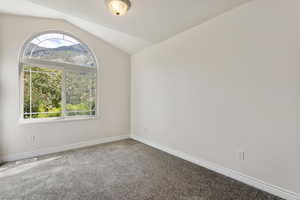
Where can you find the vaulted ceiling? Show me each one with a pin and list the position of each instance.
(147, 22)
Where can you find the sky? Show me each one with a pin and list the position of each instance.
(54, 40)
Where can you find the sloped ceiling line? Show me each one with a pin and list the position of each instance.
(148, 22)
(123, 41)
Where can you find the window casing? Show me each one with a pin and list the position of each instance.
(58, 78)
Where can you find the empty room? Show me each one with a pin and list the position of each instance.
(149, 100)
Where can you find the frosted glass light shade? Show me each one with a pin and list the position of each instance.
(118, 7)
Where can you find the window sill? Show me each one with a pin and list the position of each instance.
(54, 120)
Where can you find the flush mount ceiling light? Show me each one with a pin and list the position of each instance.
(118, 7)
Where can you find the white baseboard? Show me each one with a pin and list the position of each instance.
(272, 189)
(45, 151)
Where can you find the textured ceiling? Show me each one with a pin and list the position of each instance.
(147, 22)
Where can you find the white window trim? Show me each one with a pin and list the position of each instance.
(56, 119)
(60, 66)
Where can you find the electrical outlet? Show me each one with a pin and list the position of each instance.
(146, 130)
(33, 139)
(241, 155)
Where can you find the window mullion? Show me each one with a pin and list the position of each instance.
(90, 98)
(30, 92)
(63, 94)
(57, 65)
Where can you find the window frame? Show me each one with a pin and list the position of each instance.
(64, 67)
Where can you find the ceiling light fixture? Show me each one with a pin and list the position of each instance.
(118, 7)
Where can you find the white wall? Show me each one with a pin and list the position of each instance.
(114, 90)
(227, 85)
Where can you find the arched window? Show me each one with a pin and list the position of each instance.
(58, 78)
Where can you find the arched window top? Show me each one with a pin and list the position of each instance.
(58, 48)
